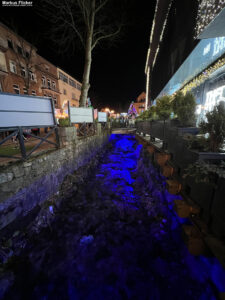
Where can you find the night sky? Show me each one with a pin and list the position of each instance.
(117, 74)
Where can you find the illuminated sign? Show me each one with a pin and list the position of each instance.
(204, 54)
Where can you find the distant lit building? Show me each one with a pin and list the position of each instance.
(70, 89)
(139, 104)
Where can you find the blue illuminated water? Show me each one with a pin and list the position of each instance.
(117, 238)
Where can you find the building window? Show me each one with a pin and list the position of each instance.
(12, 67)
(19, 50)
(43, 79)
(64, 92)
(10, 44)
(73, 96)
(27, 54)
(31, 75)
(79, 87)
(53, 85)
(25, 91)
(63, 77)
(49, 83)
(33, 93)
(72, 82)
(23, 72)
(16, 89)
(46, 68)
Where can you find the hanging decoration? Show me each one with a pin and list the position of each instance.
(202, 77)
(207, 11)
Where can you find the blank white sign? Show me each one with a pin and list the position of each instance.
(18, 110)
(102, 116)
(81, 115)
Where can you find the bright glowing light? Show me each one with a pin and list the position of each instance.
(107, 109)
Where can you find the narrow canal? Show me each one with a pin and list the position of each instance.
(115, 238)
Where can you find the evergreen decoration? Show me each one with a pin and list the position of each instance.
(64, 122)
(184, 107)
(163, 107)
(215, 127)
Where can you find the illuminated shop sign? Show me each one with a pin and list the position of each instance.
(204, 54)
(214, 97)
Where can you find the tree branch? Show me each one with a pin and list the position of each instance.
(106, 36)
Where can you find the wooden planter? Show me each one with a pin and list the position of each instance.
(196, 246)
(173, 186)
(167, 170)
(184, 210)
(162, 158)
(151, 149)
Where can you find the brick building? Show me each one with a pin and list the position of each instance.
(24, 71)
(17, 64)
(70, 89)
(139, 104)
(47, 80)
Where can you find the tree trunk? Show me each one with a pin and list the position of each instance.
(88, 57)
(86, 74)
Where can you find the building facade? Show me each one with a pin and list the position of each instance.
(70, 89)
(47, 80)
(187, 52)
(24, 71)
(17, 64)
(139, 104)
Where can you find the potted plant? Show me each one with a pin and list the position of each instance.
(214, 126)
(163, 110)
(184, 107)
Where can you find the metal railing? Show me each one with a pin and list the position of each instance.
(20, 133)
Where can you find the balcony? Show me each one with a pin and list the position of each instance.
(50, 88)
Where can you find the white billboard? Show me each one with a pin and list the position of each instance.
(81, 115)
(22, 110)
(102, 117)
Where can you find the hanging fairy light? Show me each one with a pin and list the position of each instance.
(207, 11)
(202, 77)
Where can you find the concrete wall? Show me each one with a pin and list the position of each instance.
(24, 185)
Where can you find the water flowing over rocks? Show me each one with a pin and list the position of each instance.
(110, 234)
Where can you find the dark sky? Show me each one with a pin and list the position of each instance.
(117, 73)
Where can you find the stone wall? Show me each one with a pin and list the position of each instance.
(24, 185)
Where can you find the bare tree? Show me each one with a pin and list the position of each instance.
(89, 21)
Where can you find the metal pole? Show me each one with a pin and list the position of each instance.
(68, 104)
(21, 141)
(54, 119)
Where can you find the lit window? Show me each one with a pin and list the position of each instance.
(33, 93)
(43, 79)
(23, 72)
(25, 91)
(12, 67)
(16, 89)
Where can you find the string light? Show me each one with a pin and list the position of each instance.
(198, 80)
(207, 11)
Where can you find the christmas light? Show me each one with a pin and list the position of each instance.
(207, 11)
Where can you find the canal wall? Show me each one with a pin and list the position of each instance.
(25, 185)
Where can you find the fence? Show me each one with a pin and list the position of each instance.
(21, 113)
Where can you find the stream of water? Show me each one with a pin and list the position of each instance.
(115, 238)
